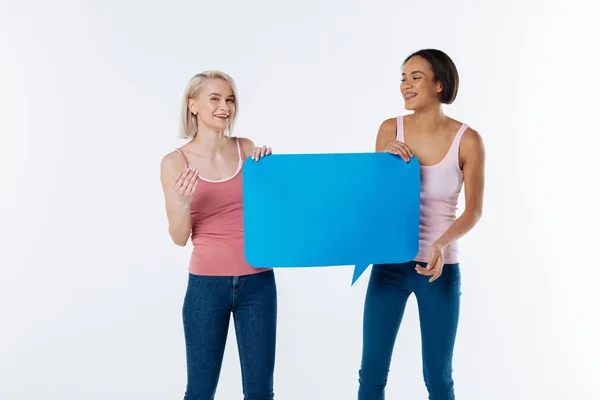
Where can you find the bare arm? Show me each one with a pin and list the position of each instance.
(386, 134)
(247, 145)
(386, 141)
(179, 186)
(473, 159)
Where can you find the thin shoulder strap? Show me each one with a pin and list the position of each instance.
(400, 128)
(187, 164)
(241, 151)
(459, 134)
(454, 151)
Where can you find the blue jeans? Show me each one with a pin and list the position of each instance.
(389, 287)
(208, 305)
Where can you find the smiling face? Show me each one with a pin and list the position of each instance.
(215, 106)
(419, 87)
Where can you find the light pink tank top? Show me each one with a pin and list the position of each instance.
(440, 187)
(218, 226)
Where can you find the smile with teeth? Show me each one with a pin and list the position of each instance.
(409, 95)
(222, 116)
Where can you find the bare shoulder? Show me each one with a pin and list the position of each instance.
(387, 129)
(386, 134)
(471, 147)
(172, 161)
(247, 144)
(472, 140)
(170, 166)
(389, 125)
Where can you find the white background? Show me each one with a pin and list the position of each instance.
(91, 286)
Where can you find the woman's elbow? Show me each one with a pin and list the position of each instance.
(476, 213)
(178, 239)
(180, 242)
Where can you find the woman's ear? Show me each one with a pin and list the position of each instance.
(192, 106)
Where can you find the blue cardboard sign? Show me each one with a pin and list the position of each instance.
(315, 210)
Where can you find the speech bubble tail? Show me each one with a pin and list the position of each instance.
(358, 271)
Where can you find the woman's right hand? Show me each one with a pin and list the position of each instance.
(185, 186)
(400, 149)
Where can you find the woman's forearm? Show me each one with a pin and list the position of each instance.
(459, 228)
(473, 168)
(180, 225)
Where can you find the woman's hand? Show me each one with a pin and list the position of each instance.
(260, 152)
(185, 186)
(435, 257)
(400, 149)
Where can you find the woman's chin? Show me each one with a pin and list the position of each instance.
(217, 126)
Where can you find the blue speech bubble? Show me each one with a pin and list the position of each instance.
(316, 210)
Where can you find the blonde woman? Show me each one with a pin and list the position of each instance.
(202, 186)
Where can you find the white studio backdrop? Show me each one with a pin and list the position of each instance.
(91, 286)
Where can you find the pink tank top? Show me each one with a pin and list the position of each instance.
(440, 187)
(218, 226)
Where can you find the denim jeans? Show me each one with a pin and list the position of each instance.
(438, 303)
(208, 305)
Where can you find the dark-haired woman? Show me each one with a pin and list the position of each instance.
(451, 154)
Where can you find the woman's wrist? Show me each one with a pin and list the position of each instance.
(440, 244)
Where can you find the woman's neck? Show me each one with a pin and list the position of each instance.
(209, 143)
(429, 120)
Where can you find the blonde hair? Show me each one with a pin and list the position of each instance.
(189, 123)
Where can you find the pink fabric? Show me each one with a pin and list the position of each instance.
(218, 226)
(440, 187)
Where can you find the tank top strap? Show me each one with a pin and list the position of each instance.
(241, 152)
(454, 149)
(187, 164)
(400, 128)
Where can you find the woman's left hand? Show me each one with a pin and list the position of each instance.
(260, 152)
(435, 257)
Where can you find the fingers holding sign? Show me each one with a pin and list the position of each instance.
(260, 152)
(400, 149)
